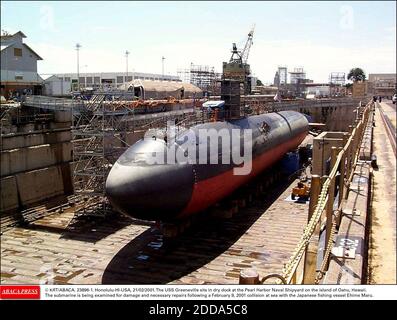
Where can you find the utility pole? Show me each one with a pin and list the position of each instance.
(162, 67)
(78, 46)
(126, 62)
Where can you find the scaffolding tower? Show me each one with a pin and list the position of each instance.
(297, 76)
(201, 76)
(337, 78)
(336, 84)
(184, 75)
(99, 134)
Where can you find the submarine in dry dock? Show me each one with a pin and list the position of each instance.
(175, 190)
(172, 191)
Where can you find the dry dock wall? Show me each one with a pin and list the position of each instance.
(35, 160)
(35, 139)
(27, 188)
(353, 232)
(35, 157)
(337, 118)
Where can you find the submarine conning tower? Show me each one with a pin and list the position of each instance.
(235, 82)
(231, 95)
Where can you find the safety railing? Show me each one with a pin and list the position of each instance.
(301, 266)
(317, 103)
(49, 102)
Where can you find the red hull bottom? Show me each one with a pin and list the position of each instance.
(210, 191)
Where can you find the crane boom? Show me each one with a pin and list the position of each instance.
(245, 52)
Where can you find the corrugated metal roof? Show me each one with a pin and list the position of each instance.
(20, 33)
(5, 46)
(10, 36)
(40, 58)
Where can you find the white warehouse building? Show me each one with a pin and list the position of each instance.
(105, 79)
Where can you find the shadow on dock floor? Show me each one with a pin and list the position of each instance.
(149, 259)
(84, 228)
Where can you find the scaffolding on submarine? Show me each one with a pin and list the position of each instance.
(99, 133)
(100, 129)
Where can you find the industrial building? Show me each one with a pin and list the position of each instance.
(109, 79)
(324, 90)
(63, 84)
(265, 90)
(318, 90)
(18, 66)
(299, 86)
(382, 84)
(296, 86)
(280, 78)
(296, 76)
(57, 86)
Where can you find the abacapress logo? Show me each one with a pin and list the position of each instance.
(19, 292)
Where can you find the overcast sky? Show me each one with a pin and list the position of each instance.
(322, 37)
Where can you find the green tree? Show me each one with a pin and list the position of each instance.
(356, 74)
(259, 83)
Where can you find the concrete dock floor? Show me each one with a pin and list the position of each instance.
(62, 250)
